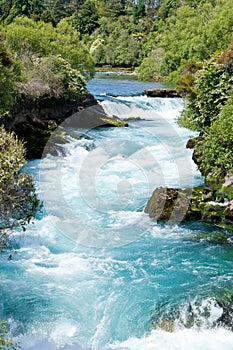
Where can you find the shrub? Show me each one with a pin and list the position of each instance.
(6, 343)
(18, 200)
(53, 76)
(217, 143)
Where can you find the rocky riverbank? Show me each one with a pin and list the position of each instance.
(34, 120)
(211, 203)
(199, 204)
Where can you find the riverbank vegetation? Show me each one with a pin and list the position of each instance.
(18, 200)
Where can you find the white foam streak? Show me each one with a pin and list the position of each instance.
(143, 107)
(180, 340)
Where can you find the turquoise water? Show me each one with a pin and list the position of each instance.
(93, 271)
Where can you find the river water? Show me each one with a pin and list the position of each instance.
(93, 271)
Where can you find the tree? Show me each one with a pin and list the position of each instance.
(116, 7)
(61, 8)
(47, 17)
(190, 32)
(18, 200)
(139, 11)
(88, 19)
(7, 78)
(26, 39)
(10, 9)
(19, 8)
(211, 90)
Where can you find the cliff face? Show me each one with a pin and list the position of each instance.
(35, 120)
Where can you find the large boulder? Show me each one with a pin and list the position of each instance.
(168, 204)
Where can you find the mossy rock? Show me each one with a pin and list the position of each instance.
(167, 325)
(191, 142)
(225, 192)
(194, 214)
(113, 122)
(202, 194)
(218, 237)
(168, 204)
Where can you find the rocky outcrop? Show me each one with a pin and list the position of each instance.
(162, 93)
(199, 204)
(35, 120)
(168, 204)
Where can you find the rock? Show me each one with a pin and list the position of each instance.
(228, 180)
(167, 325)
(192, 142)
(168, 204)
(132, 119)
(35, 120)
(162, 93)
(226, 319)
(198, 204)
(228, 214)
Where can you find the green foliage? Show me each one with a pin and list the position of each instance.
(139, 11)
(18, 200)
(212, 88)
(217, 143)
(48, 17)
(210, 110)
(88, 19)
(149, 69)
(118, 42)
(10, 9)
(27, 39)
(53, 76)
(6, 343)
(116, 7)
(9, 71)
(190, 30)
(53, 9)
(186, 80)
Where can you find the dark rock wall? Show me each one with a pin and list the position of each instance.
(35, 120)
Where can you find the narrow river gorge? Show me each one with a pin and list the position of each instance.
(94, 271)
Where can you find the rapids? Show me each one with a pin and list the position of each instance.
(93, 271)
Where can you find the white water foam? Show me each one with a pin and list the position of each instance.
(180, 340)
(143, 107)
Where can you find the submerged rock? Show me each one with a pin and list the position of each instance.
(214, 311)
(162, 93)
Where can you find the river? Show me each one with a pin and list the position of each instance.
(93, 271)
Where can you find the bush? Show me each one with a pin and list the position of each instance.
(211, 90)
(53, 76)
(217, 143)
(6, 343)
(18, 200)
